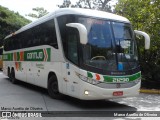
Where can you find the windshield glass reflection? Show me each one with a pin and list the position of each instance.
(111, 45)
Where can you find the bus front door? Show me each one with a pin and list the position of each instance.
(70, 82)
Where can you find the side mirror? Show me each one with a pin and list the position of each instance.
(146, 36)
(82, 32)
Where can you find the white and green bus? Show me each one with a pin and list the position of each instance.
(86, 54)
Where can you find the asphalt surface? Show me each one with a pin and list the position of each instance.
(24, 96)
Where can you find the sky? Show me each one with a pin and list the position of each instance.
(24, 7)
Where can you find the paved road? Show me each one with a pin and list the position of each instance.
(23, 95)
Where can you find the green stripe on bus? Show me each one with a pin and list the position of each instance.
(30, 55)
(8, 57)
(129, 78)
(18, 56)
(116, 79)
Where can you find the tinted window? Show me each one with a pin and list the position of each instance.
(72, 44)
(1, 51)
(43, 34)
(70, 37)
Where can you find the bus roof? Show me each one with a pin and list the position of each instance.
(92, 13)
(76, 11)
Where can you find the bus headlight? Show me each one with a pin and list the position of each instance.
(86, 92)
(86, 79)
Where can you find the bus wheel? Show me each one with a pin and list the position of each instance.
(53, 88)
(8, 72)
(12, 77)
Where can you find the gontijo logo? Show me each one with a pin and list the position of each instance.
(35, 55)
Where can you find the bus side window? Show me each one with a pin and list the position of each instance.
(72, 44)
(29, 38)
(15, 42)
(36, 34)
(62, 21)
(10, 43)
(1, 51)
(20, 40)
(6, 44)
(24, 43)
(50, 32)
(19, 43)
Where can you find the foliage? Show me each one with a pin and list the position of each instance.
(10, 22)
(103, 5)
(40, 11)
(95, 4)
(145, 15)
(66, 4)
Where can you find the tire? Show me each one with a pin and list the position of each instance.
(9, 73)
(53, 88)
(12, 77)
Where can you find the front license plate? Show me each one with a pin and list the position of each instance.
(118, 93)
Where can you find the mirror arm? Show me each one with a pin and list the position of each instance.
(82, 31)
(146, 36)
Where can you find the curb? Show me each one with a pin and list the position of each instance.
(150, 91)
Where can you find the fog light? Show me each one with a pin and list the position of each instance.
(86, 92)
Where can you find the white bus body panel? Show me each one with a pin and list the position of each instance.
(97, 93)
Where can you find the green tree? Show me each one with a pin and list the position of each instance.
(103, 5)
(10, 22)
(145, 16)
(66, 4)
(40, 12)
(95, 4)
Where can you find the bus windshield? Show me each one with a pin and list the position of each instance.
(111, 45)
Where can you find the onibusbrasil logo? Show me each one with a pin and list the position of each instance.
(18, 115)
